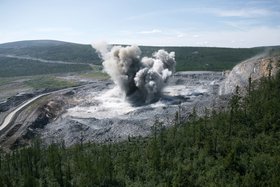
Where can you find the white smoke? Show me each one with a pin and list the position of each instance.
(141, 80)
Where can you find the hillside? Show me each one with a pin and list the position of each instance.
(11, 67)
(36, 51)
(236, 147)
(207, 58)
(51, 50)
(28, 58)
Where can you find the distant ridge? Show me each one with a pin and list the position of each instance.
(187, 58)
(32, 43)
(51, 50)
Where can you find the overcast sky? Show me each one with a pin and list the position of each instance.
(220, 23)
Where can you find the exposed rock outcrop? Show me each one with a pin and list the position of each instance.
(15, 101)
(254, 68)
(32, 119)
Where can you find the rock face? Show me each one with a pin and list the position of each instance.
(14, 101)
(254, 68)
(47, 113)
(31, 120)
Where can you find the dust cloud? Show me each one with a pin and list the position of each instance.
(141, 79)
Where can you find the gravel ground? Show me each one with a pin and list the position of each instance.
(100, 113)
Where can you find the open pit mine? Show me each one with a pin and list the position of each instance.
(142, 92)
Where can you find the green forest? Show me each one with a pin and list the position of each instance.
(207, 58)
(238, 146)
(52, 50)
(187, 58)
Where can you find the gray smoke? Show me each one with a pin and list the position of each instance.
(141, 80)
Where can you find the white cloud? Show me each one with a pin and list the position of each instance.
(52, 29)
(252, 37)
(243, 12)
(144, 15)
(181, 35)
(153, 31)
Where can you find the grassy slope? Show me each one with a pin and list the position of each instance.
(52, 50)
(11, 67)
(45, 49)
(49, 83)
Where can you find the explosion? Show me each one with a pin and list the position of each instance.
(140, 79)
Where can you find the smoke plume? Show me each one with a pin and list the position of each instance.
(140, 79)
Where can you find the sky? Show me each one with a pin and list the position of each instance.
(214, 23)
